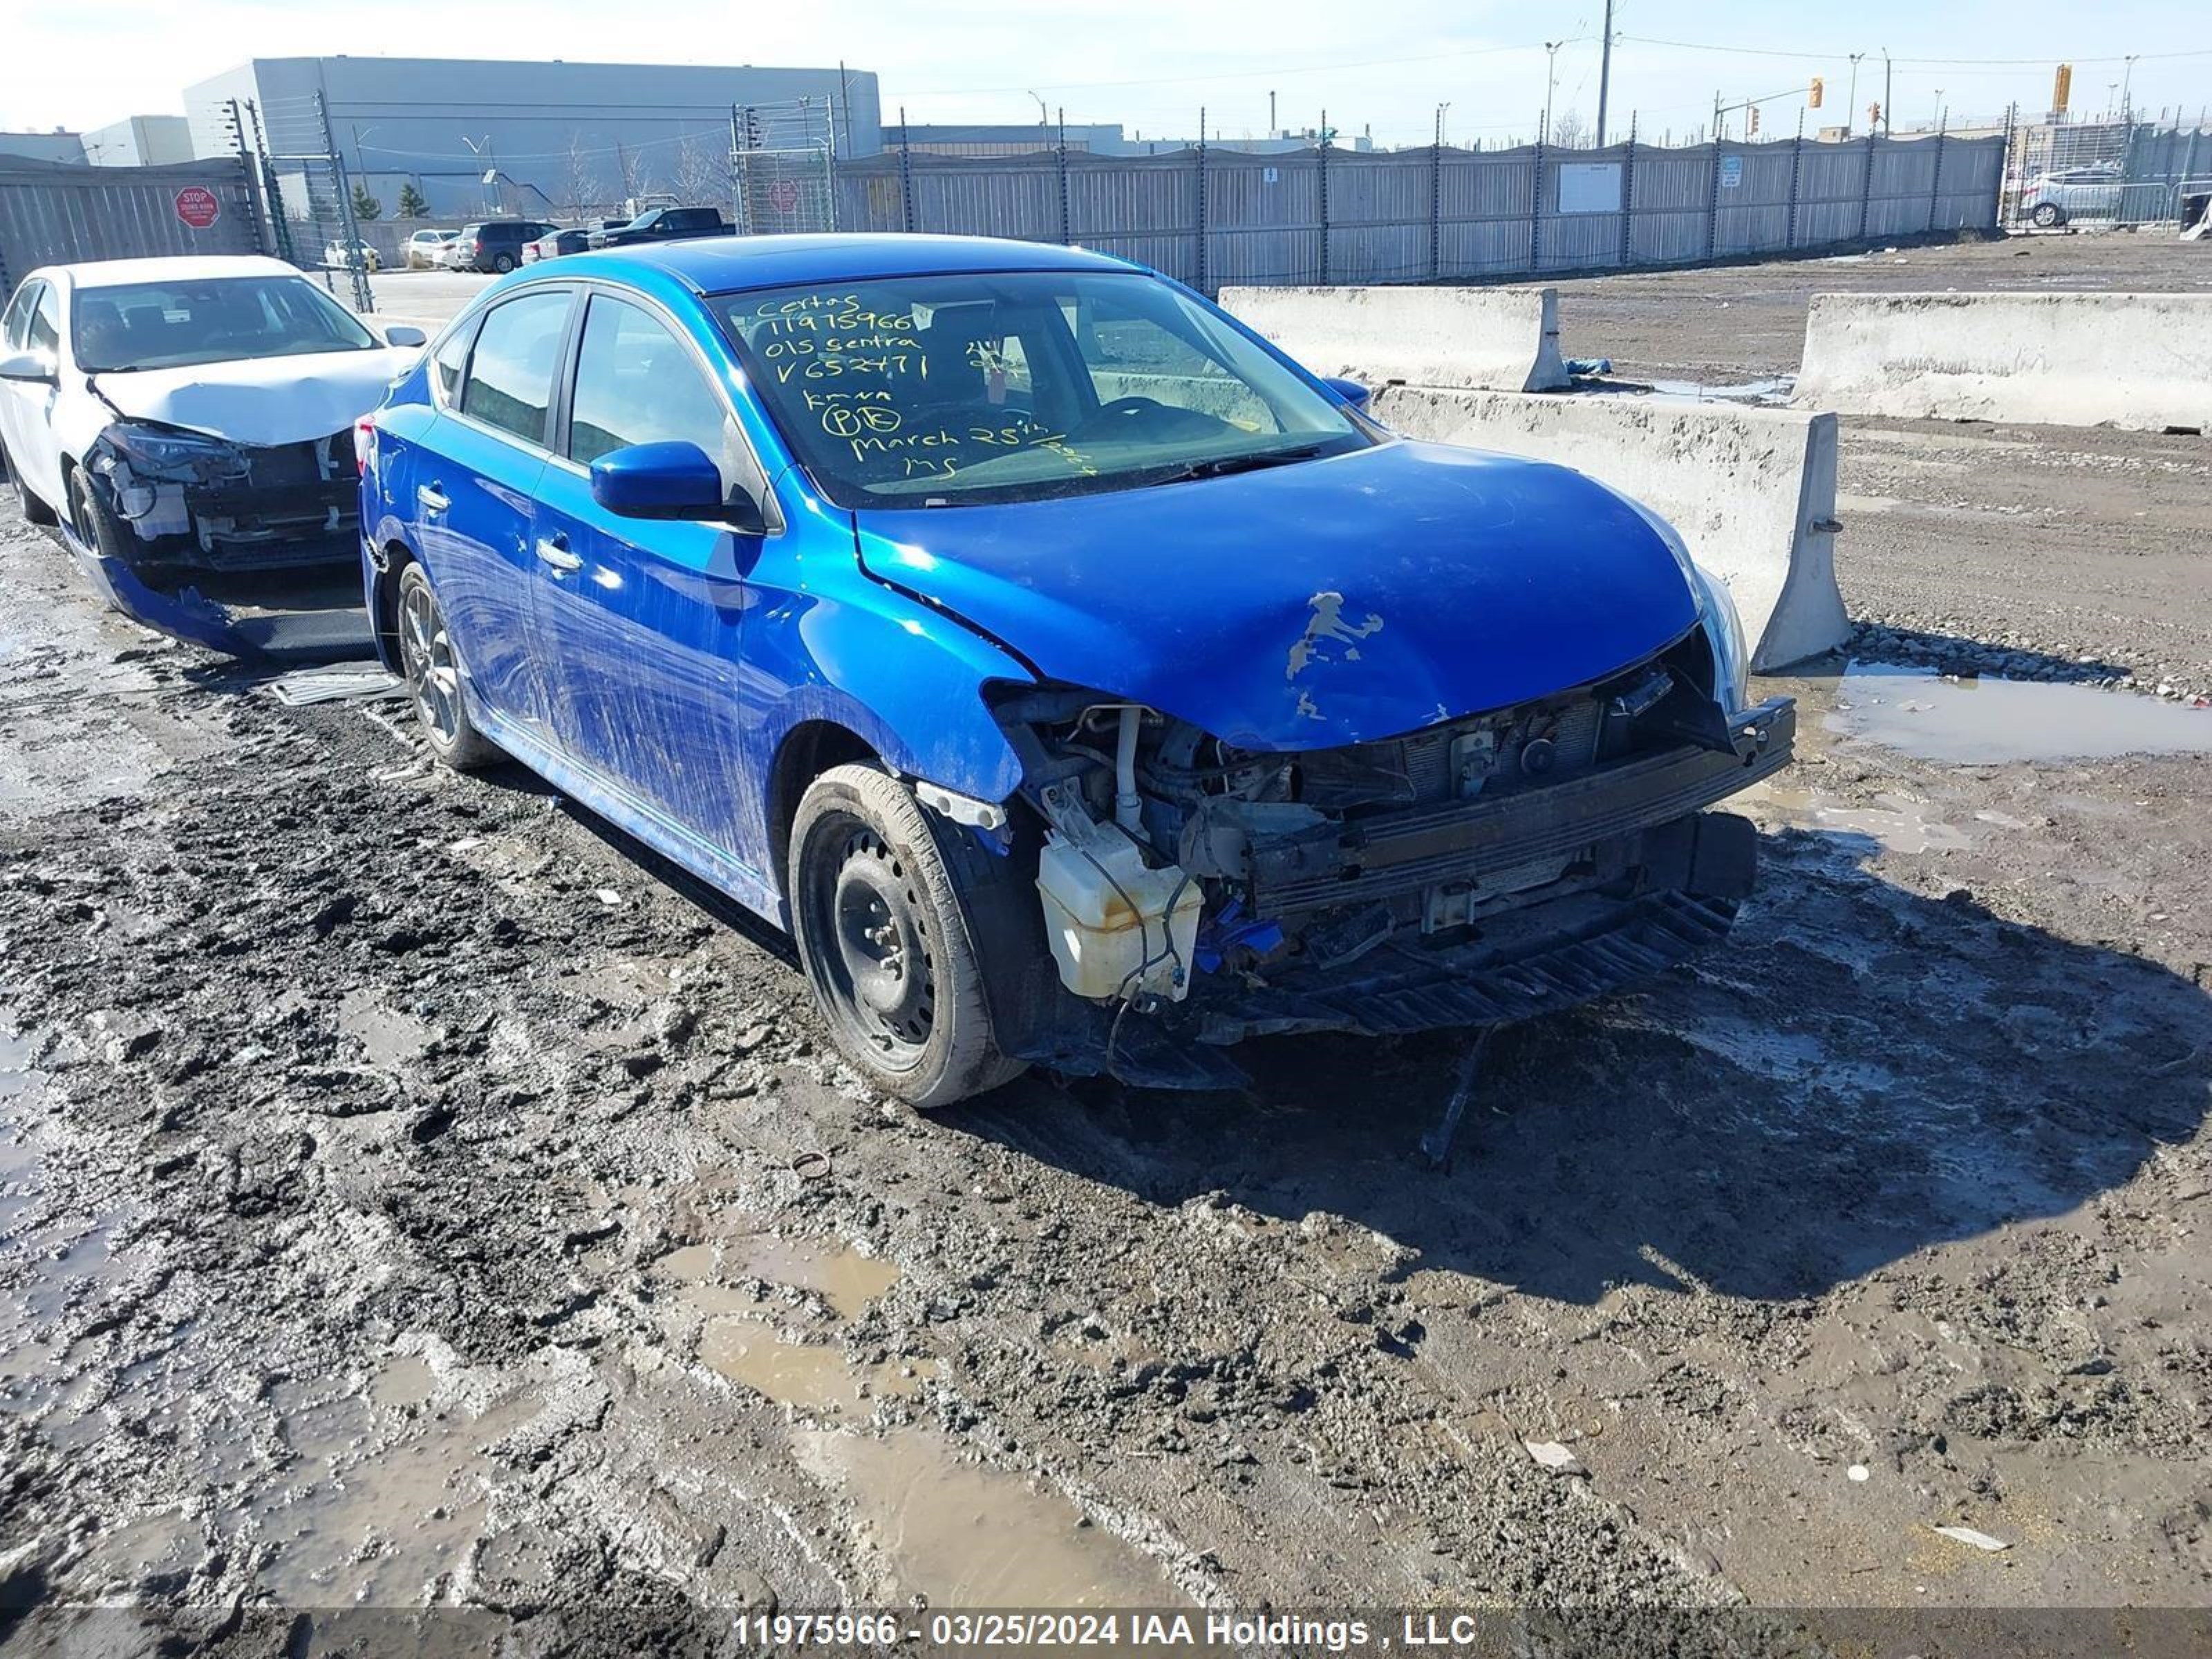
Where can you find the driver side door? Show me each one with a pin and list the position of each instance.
(34, 324)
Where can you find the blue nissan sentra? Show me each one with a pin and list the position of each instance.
(1080, 681)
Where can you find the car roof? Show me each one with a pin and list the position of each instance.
(722, 264)
(195, 267)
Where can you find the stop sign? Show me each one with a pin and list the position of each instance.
(198, 207)
(783, 196)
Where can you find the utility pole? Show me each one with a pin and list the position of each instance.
(1271, 128)
(1851, 103)
(1888, 105)
(1604, 73)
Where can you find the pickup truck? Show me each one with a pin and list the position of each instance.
(665, 224)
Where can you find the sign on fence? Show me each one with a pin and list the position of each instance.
(1731, 172)
(198, 207)
(1589, 187)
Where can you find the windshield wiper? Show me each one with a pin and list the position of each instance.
(1222, 467)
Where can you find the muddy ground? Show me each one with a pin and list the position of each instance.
(411, 1194)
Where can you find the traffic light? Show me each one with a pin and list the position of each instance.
(2062, 85)
(1814, 101)
(1874, 116)
(1753, 131)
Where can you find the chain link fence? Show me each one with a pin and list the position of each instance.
(2102, 174)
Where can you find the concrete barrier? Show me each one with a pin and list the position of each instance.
(1503, 339)
(1752, 491)
(2138, 360)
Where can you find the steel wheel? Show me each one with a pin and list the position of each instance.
(880, 968)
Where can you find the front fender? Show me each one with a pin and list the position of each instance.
(906, 680)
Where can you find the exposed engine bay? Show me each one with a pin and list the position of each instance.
(1487, 867)
(209, 503)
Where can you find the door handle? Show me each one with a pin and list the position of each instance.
(554, 551)
(431, 499)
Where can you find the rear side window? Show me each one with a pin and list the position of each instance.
(636, 383)
(15, 327)
(510, 376)
(449, 359)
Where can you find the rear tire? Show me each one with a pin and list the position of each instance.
(881, 918)
(501, 264)
(435, 684)
(35, 511)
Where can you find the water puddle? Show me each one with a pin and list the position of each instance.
(1898, 823)
(813, 1378)
(1990, 720)
(405, 1384)
(965, 1536)
(846, 1279)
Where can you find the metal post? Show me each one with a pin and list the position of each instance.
(1321, 164)
(1536, 207)
(246, 176)
(364, 301)
(1201, 283)
(1935, 180)
(1061, 151)
(1628, 195)
(739, 205)
(2004, 163)
(1865, 188)
(906, 175)
(1796, 164)
(1437, 201)
(272, 194)
(1713, 206)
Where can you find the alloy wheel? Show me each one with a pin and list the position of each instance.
(426, 653)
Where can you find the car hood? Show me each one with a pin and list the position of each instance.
(261, 400)
(1310, 605)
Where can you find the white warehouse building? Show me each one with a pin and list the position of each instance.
(552, 135)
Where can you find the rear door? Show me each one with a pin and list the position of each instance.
(645, 616)
(476, 487)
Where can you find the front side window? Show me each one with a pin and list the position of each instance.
(636, 383)
(451, 357)
(43, 333)
(510, 383)
(959, 390)
(176, 324)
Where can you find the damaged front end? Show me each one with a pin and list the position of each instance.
(1488, 868)
(249, 550)
(191, 499)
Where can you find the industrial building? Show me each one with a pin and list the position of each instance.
(140, 141)
(471, 135)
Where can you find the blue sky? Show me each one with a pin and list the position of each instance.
(1151, 63)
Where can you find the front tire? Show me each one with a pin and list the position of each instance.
(35, 511)
(2048, 216)
(432, 670)
(880, 915)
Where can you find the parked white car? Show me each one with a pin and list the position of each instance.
(190, 412)
(424, 246)
(363, 257)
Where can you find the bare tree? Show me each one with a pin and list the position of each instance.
(702, 170)
(1570, 131)
(579, 178)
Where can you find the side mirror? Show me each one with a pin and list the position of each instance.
(405, 334)
(29, 366)
(670, 481)
(1351, 391)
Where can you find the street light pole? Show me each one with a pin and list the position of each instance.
(1551, 82)
(1888, 110)
(1271, 128)
(2127, 90)
(1851, 103)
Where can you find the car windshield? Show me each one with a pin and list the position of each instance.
(963, 390)
(174, 324)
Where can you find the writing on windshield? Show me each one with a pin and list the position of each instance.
(953, 388)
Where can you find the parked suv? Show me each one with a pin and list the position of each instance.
(665, 224)
(496, 244)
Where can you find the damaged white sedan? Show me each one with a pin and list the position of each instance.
(184, 418)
